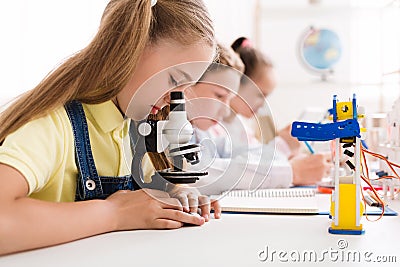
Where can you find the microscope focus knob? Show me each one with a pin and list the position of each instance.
(144, 129)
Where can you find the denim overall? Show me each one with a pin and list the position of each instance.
(89, 184)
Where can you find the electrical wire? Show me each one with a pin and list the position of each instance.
(377, 197)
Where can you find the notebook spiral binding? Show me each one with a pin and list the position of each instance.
(274, 193)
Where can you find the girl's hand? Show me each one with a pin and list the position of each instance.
(192, 200)
(148, 209)
(310, 169)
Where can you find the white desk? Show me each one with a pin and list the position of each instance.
(234, 240)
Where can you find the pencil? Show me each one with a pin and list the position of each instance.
(309, 147)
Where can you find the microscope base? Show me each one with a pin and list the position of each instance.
(181, 177)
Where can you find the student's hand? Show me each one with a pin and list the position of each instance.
(291, 141)
(310, 169)
(192, 200)
(148, 209)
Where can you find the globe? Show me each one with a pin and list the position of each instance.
(320, 50)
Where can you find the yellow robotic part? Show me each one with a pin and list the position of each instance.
(347, 211)
(344, 110)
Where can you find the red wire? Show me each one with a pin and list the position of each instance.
(377, 197)
(365, 161)
(389, 163)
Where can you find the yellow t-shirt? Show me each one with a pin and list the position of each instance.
(43, 150)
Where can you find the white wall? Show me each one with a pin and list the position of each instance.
(232, 18)
(38, 35)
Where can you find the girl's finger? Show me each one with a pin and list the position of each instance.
(167, 224)
(217, 208)
(205, 206)
(193, 202)
(184, 201)
(181, 216)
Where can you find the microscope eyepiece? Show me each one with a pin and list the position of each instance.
(177, 95)
(177, 101)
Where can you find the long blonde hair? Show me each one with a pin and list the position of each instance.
(98, 72)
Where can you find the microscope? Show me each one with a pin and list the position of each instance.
(171, 136)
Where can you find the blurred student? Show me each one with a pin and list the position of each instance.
(307, 169)
(249, 167)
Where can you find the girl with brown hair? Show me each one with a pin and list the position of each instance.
(257, 83)
(48, 162)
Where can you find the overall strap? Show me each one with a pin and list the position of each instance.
(83, 152)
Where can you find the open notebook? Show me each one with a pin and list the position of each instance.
(283, 201)
(291, 200)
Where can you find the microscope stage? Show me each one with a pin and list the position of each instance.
(181, 177)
